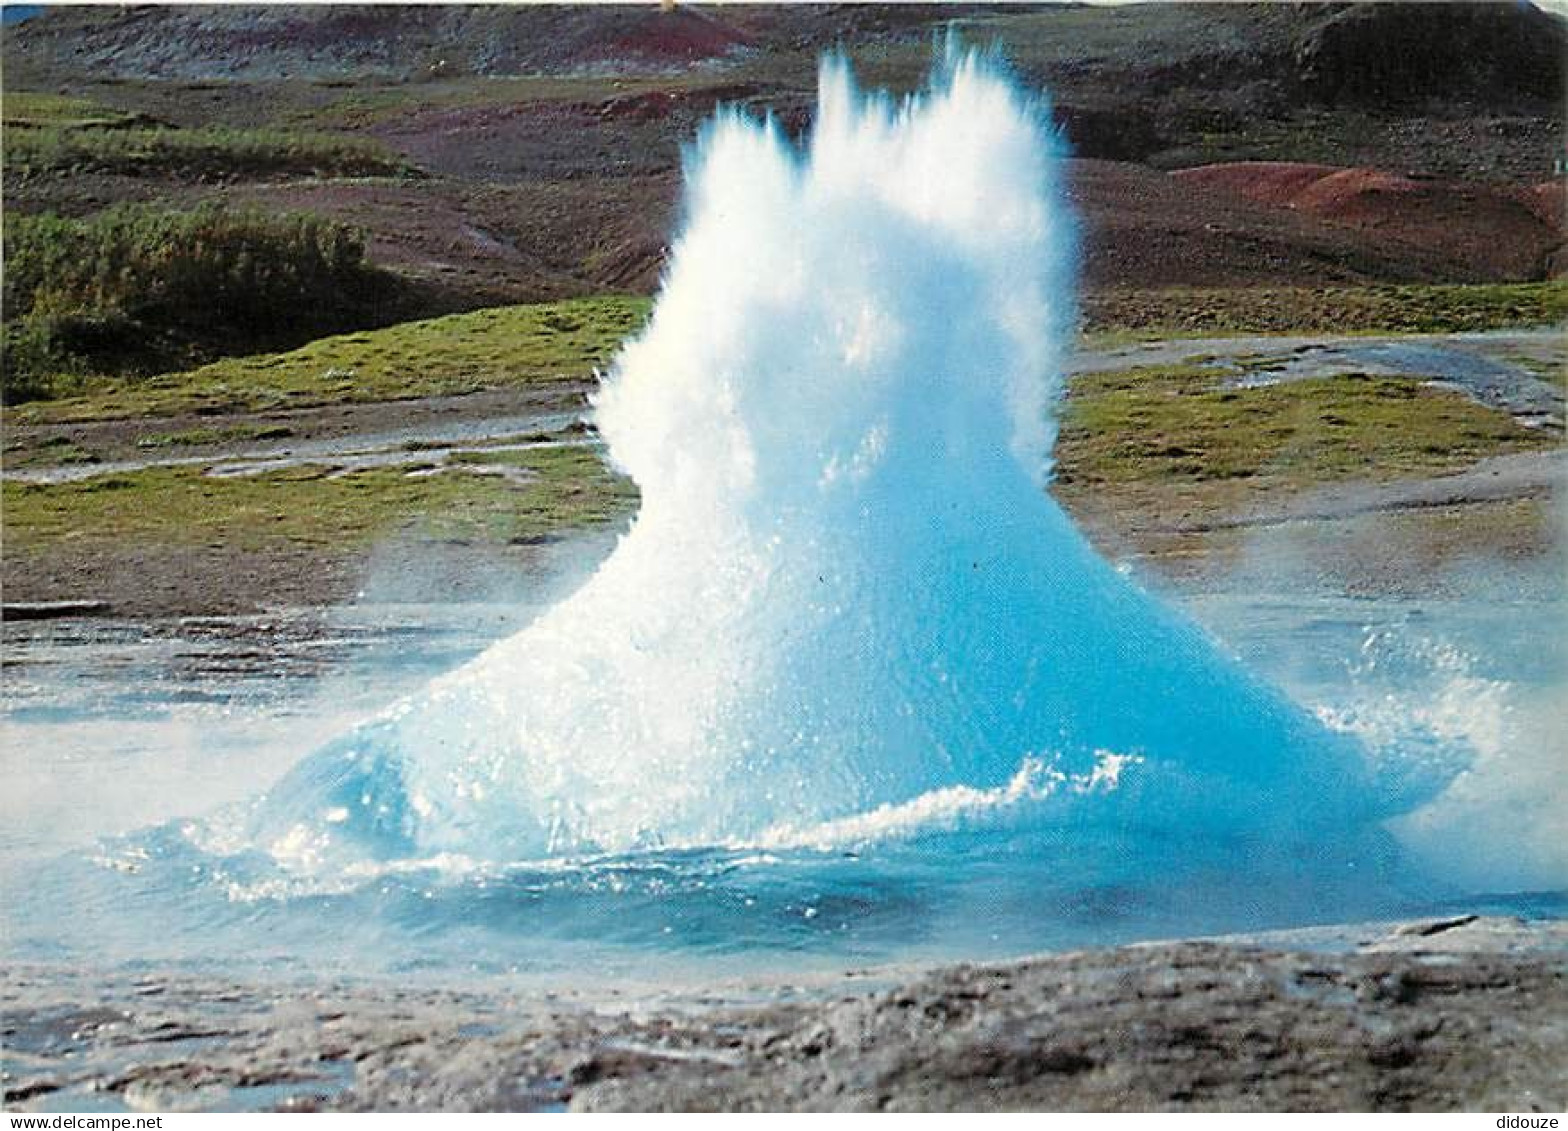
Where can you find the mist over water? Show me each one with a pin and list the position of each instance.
(852, 680)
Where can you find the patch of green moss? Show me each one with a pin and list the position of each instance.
(26, 109)
(69, 148)
(203, 437)
(569, 488)
(1168, 423)
(1115, 314)
(502, 347)
(1552, 372)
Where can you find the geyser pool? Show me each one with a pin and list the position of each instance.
(852, 674)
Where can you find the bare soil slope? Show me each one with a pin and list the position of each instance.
(1482, 231)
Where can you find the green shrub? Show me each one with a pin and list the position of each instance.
(214, 151)
(39, 109)
(135, 289)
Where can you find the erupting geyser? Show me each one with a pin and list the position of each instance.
(848, 606)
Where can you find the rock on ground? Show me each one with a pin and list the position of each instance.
(1468, 1013)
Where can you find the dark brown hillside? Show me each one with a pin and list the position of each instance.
(1392, 54)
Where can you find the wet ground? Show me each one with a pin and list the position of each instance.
(1461, 1013)
(1520, 372)
(423, 433)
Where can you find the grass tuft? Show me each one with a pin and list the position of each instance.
(569, 488)
(210, 151)
(502, 347)
(1174, 423)
(1424, 309)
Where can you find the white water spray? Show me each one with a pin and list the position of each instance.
(846, 590)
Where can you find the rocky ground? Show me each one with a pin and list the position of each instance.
(1436, 1015)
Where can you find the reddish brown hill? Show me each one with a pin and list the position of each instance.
(1151, 229)
(1488, 232)
(1549, 202)
(661, 37)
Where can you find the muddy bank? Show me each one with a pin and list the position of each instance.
(1457, 1014)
